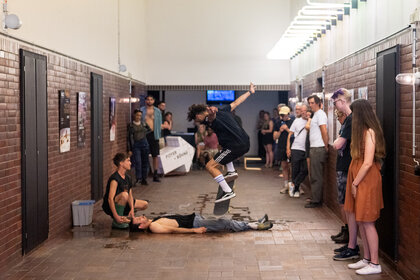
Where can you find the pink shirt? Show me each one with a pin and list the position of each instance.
(211, 141)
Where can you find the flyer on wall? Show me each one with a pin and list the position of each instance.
(81, 119)
(64, 123)
(112, 122)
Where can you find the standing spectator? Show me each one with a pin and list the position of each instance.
(199, 142)
(153, 118)
(297, 152)
(167, 124)
(138, 146)
(260, 122)
(276, 122)
(281, 133)
(162, 106)
(364, 182)
(267, 132)
(267, 139)
(318, 138)
(348, 234)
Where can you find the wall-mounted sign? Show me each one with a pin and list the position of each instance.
(112, 121)
(81, 119)
(64, 123)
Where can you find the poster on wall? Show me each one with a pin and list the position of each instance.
(112, 122)
(363, 93)
(81, 118)
(64, 123)
(352, 94)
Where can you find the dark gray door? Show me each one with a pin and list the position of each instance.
(33, 79)
(387, 109)
(97, 148)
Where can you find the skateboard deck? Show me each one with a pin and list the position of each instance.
(222, 207)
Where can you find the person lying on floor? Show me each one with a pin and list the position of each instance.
(195, 223)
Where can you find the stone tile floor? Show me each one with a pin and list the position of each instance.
(297, 248)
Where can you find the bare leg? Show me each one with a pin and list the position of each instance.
(366, 251)
(121, 198)
(155, 164)
(372, 241)
(141, 204)
(267, 156)
(270, 155)
(285, 168)
(351, 220)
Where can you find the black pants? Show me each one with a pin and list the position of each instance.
(299, 168)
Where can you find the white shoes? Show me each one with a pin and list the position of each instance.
(297, 195)
(358, 265)
(284, 189)
(369, 269)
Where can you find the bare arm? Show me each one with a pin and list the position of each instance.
(158, 228)
(130, 202)
(308, 124)
(367, 161)
(270, 128)
(243, 97)
(324, 134)
(288, 150)
(339, 143)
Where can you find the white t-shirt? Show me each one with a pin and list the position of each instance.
(298, 128)
(315, 136)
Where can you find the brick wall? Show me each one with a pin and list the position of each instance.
(68, 173)
(359, 70)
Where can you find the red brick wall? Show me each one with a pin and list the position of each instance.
(68, 173)
(359, 70)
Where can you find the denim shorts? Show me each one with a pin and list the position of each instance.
(341, 186)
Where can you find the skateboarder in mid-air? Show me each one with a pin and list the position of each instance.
(232, 137)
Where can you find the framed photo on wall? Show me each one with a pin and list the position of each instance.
(363, 93)
(112, 121)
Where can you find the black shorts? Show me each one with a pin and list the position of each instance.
(227, 155)
(282, 155)
(153, 144)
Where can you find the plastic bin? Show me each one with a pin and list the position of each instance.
(82, 212)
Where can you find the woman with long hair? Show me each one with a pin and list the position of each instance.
(267, 132)
(364, 182)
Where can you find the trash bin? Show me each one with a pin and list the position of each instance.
(82, 212)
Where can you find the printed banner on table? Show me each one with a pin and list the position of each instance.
(81, 119)
(64, 123)
(112, 121)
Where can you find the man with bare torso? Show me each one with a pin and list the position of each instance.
(195, 223)
(153, 117)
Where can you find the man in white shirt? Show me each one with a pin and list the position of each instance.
(297, 150)
(318, 138)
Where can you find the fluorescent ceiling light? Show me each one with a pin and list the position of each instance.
(322, 12)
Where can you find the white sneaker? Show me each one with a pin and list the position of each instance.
(370, 269)
(358, 265)
(296, 194)
(284, 189)
(226, 196)
(291, 188)
(230, 176)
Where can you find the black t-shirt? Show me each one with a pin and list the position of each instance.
(184, 221)
(343, 155)
(227, 129)
(283, 136)
(122, 184)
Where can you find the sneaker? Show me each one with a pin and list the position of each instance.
(344, 238)
(231, 176)
(358, 265)
(265, 226)
(342, 248)
(156, 179)
(347, 254)
(263, 219)
(291, 188)
(370, 269)
(226, 196)
(296, 194)
(313, 205)
(284, 189)
(144, 182)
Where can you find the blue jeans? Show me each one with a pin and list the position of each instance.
(141, 158)
(219, 224)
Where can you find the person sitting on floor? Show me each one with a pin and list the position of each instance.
(195, 223)
(118, 200)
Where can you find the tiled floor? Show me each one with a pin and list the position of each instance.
(298, 246)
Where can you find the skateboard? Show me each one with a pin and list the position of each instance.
(222, 207)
